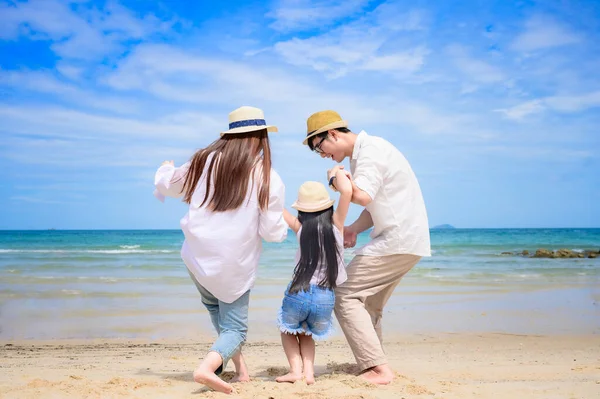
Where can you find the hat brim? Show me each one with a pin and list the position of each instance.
(333, 125)
(314, 207)
(248, 129)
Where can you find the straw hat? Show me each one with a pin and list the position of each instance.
(321, 122)
(247, 119)
(312, 197)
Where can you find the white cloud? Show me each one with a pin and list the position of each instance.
(562, 103)
(574, 103)
(302, 15)
(358, 45)
(472, 68)
(78, 31)
(543, 32)
(520, 111)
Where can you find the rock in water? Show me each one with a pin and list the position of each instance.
(543, 253)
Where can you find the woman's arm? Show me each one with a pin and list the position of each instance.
(169, 180)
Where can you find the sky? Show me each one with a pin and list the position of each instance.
(495, 104)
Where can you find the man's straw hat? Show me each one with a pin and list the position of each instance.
(247, 119)
(312, 197)
(321, 122)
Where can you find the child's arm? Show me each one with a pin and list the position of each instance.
(344, 186)
(291, 220)
(169, 180)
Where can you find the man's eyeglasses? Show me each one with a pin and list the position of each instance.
(317, 147)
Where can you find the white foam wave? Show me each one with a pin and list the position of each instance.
(90, 251)
(129, 246)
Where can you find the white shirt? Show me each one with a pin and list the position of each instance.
(222, 249)
(400, 224)
(321, 271)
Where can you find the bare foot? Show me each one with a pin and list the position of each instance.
(310, 378)
(289, 377)
(211, 380)
(380, 375)
(240, 378)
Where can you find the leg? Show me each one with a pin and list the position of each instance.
(375, 304)
(233, 321)
(307, 351)
(241, 371)
(205, 373)
(367, 277)
(291, 346)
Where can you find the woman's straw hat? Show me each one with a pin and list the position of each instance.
(312, 197)
(247, 119)
(321, 122)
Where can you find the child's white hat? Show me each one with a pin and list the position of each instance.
(312, 197)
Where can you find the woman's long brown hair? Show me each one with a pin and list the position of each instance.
(235, 157)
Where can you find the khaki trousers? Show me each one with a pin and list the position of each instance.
(360, 301)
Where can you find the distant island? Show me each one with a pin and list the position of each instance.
(444, 226)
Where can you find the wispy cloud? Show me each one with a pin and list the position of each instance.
(359, 45)
(303, 15)
(544, 32)
(563, 104)
(78, 29)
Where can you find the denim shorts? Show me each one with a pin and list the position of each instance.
(308, 312)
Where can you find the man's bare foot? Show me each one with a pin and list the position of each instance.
(309, 378)
(240, 378)
(289, 377)
(211, 380)
(380, 375)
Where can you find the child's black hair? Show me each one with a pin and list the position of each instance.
(318, 248)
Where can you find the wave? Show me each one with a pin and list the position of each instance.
(90, 251)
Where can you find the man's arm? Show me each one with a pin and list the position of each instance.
(364, 222)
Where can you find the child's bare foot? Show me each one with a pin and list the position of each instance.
(211, 380)
(310, 378)
(240, 378)
(289, 377)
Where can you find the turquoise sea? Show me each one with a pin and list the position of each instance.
(84, 284)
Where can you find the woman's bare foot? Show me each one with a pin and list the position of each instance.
(309, 378)
(211, 380)
(380, 375)
(289, 377)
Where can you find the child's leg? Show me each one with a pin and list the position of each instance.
(307, 351)
(291, 347)
(241, 371)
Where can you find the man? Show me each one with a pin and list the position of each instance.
(384, 183)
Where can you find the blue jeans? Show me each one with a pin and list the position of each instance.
(229, 319)
(308, 312)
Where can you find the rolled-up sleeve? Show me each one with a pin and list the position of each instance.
(367, 173)
(169, 180)
(272, 226)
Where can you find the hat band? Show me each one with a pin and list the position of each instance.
(247, 122)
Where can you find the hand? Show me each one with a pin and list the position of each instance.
(168, 163)
(342, 182)
(349, 237)
(333, 171)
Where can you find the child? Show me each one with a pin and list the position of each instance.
(235, 200)
(306, 311)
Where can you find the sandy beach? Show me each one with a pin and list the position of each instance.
(438, 366)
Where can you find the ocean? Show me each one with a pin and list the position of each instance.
(133, 284)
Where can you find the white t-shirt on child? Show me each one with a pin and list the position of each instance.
(320, 273)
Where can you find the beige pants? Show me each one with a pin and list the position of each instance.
(359, 303)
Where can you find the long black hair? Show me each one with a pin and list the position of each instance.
(318, 248)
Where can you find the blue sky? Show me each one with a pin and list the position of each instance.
(495, 104)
